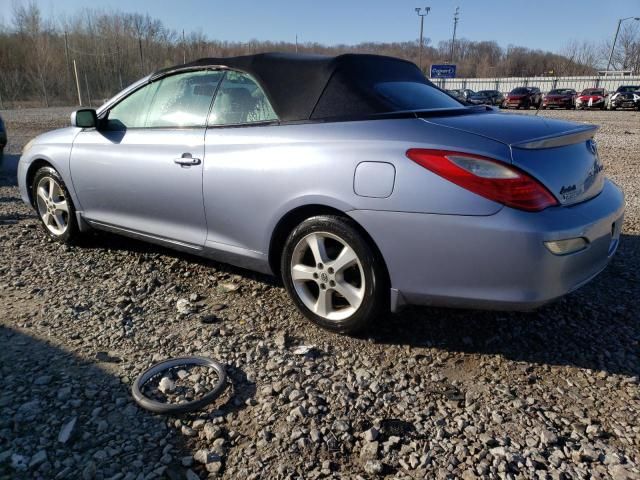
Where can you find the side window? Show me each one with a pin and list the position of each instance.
(132, 111)
(240, 100)
(180, 100)
(183, 100)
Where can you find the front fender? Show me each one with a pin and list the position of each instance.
(53, 148)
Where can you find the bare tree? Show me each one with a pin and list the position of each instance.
(113, 49)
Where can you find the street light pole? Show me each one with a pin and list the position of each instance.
(615, 38)
(456, 17)
(421, 15)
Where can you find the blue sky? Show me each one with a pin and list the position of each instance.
(544, 24)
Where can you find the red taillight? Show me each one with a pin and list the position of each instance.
(486, 177)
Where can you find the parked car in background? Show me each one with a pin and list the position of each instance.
(3, 137)
(592, 98)
(524, 97)
(560, 98)
(626, 96)
(461, 94)
(480, 98)
(487, 97)
(497, 98)
(353, 178)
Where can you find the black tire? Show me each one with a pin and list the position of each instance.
(71, 232)
(375, 300)
(178, 408)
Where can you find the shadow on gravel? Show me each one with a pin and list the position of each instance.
(44, 389)
(110, 241)
(595, 327)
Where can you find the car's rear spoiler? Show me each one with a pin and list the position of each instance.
(571, 137)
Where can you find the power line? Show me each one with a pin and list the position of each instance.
(94, 54)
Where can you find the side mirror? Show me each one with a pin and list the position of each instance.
(84, 118)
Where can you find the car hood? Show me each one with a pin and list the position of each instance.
(506, 127)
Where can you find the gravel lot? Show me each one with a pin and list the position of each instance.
(431, 393)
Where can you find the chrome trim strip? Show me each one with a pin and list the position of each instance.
(142, 236)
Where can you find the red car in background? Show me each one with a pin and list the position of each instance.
(592, 98)
(560, 98)
(524, 97)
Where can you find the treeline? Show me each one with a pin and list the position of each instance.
(39, 57)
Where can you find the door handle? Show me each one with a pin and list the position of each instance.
(187, 160)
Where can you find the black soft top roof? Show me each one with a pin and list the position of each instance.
(303, 87)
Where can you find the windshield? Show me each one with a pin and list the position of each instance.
(561, 91)
(415, 96)
(520, 91)
(629, 88)
(592, 91)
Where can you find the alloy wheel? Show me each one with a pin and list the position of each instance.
(52, 205)
(328, 276)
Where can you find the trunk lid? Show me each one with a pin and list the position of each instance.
(561, 155)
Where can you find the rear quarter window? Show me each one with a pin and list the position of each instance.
(414, 96)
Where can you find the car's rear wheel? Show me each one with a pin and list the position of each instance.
(333, 275)
(54, 206)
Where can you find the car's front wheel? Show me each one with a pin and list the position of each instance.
(54, 206)
(333, 275)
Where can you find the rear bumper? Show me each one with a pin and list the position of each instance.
(625, 104)
(557, 103)
(497, 261)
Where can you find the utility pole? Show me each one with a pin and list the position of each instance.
(66, 59)
(420, 13)
(75, 71)
(456, 17)
(615, 38)
(296, 43)
(141, 57)
(184, 48)
(86, 82)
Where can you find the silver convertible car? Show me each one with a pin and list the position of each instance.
(353, 178)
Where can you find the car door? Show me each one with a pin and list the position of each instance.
(141, 170)
(238, 182)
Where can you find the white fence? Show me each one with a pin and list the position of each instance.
(545, 84)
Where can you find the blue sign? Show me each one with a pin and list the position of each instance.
(443, 71)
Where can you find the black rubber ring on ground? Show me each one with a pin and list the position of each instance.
(159, 407)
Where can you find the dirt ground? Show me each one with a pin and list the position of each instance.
(427, 393)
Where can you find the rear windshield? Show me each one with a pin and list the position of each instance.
(520, 91)
(415, 96)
